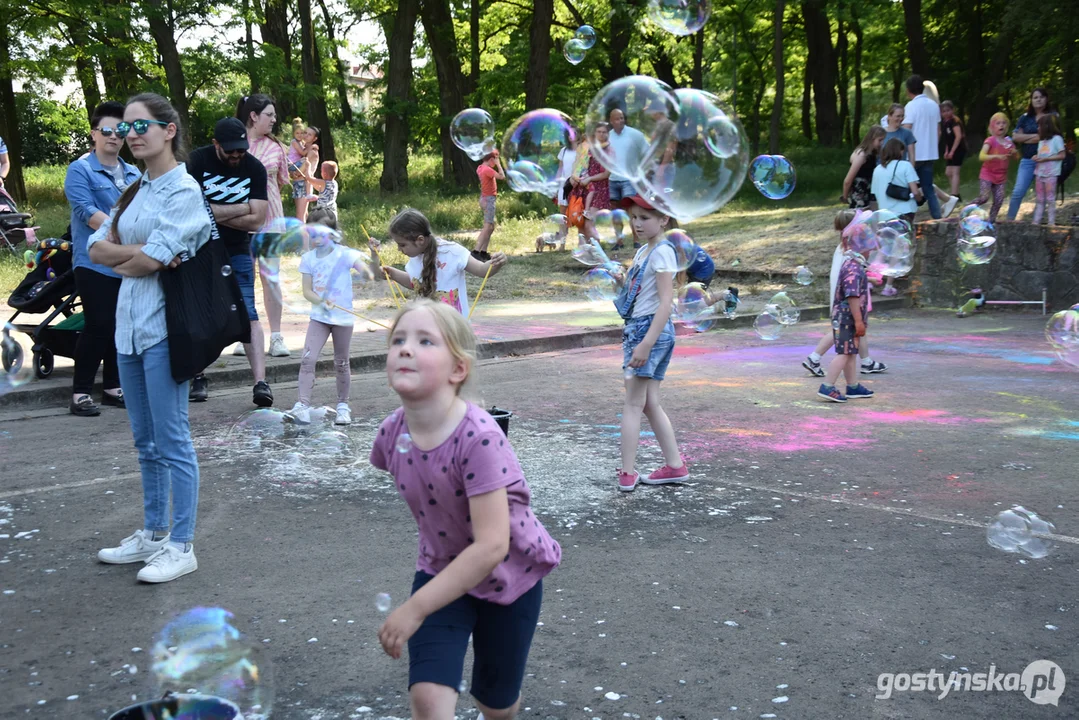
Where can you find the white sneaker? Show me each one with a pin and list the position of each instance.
(239, 350)
(300, 414)
(169, 563)
(344, 415)
(278, 347)
(949, 206)
(136, 547)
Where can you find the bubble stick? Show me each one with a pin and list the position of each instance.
(389, 281)
(356, 314)
(483, 284)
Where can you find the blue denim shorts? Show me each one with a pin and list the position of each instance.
(501, 639)
(619, 190)
(299, 189)
(243, 268)
(658, 359)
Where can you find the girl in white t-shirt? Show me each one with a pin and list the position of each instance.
(436, 268)
(1048, 163)
(645, 301)
(893, 170)
(327, 283)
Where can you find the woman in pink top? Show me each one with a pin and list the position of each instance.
(258, 113)
(997, 151)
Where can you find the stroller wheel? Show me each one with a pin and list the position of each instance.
(43, 362)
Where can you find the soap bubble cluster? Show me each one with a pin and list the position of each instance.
(473, 130)
(530, 150)
(201, 651)
(773, 176)
(1021, 531)
(1062, 332)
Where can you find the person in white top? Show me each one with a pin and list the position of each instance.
(436, 268)
(327, 282)
(922, 117)
(629, 146)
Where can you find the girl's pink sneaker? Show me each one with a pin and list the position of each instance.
(627, 481)
(667, 474)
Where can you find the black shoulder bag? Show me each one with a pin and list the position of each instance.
(894, 190)
(204, 310)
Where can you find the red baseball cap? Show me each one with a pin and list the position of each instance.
(636, 200)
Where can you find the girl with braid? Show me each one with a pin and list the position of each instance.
(436, 268)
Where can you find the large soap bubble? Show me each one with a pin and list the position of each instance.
(684, 176)
(679, 17)
(785, 308)
(894, 233)
(976, 250)
(692, 309)
(530, 150)
(773, 176)
(649, 108)
(1062, 332)
(894, 257)
(973, 220)
(1021, 531)
(685, 250)
(768, 325)
(574, 51)
(590, 254)
(201, 651)
(601, 283)
(587, 35)
(473, 130)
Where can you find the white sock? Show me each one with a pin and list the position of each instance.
(867, 361)
(182, 547)
(814, 356)
(275, 335)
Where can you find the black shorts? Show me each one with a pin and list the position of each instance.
(501, 639)
(955, 160)
(846, 342)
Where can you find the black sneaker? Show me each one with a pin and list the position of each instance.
(85, 407)
(262, 395)
(199, 389)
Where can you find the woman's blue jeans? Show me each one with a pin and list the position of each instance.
(1023, 180)
(157, 409)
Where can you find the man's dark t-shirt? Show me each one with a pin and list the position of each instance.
(224, 185)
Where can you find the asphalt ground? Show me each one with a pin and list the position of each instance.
(815, 546)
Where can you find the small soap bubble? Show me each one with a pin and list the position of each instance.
(692, 309)
(724, 137)
(383, 602)
(1021, 531)
(1062, 332)
(786, 309)
(601, 283)
(226, 270)
(574, 51)
(803, 275)
(767, 324)
(530, 150)
(473, 130)
(685, 250)
(730, 303)
(679, 17)
(554, 227)
(977, 250)
(586, 35)
(773, 176)
(404, 443)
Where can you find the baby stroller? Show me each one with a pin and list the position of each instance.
(14, 225)
(48, 288)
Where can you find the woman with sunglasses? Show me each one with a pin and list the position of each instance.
(157, 222)
(258, 114)
(93, 185)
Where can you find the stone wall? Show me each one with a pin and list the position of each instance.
(1028, 259)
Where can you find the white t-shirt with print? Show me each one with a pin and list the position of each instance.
(450, 288)
(1047, 148)
(331, 278)
(904, 175)
(923, 116)
(661, 260)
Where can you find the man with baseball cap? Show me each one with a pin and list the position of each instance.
(234, 183)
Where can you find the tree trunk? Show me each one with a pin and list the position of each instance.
(807, 128)
(622, 29)
(663, 64)
(342, 67)
(473, 46)
(118, 69)
(539, 54)
(397, 103)
(822, 61)
(842, 43)
(696, 75)
(437, 19)
(857, 124)
(249, 47)
(311, 67)
(897, 78)
(9, 120)
(777, 60)
(919, 56)
(986, 103)
(159, 17)
(274, 28)
(85, 68)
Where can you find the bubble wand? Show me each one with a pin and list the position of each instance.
(385, 272)
(334, 306)
(475, 302)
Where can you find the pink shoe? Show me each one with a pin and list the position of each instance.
(889, 291)
(667, 474)
(627, 481)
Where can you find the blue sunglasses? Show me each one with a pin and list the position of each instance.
(139, 126)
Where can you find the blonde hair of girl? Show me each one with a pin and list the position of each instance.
(455, 329)
(412, 224)
(843, 218)
(998, 116)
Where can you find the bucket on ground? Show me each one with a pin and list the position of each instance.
(502, 417)
(181, 707)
